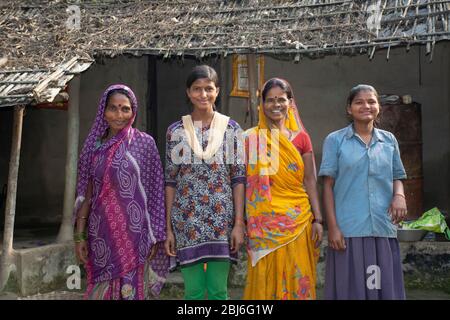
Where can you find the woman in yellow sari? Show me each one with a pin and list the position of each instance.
(284, 222)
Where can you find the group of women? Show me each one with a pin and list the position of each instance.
(223, 187)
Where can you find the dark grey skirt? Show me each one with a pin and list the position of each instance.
(370, 268)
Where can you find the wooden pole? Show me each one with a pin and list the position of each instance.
(73, 128)
(6, 260)
(252, 87)
(224, 108)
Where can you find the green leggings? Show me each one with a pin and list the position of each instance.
(214, 281)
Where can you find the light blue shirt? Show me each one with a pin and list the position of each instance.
(364, 176)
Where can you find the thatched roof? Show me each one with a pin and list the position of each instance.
(24, 86)
(36, 34)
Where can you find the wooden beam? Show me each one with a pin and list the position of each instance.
(23, 70)
(7, 258)
(224, 86)
(18, 82)
(73, 129)
(253, 87)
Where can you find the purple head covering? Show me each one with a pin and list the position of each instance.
(97, 131)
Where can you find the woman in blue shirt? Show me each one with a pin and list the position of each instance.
(364, 200)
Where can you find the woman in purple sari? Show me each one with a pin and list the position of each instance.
(119, 209)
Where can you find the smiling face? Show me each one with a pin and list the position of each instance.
(276, 104)
(118, 112)
(202, 93)
(364, 107)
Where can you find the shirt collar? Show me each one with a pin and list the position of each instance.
(351, 132)
(377, 134)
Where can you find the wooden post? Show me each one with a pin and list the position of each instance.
(152, 101)
(224, 108)
(73, 128)
(252, 87)
(6, 260)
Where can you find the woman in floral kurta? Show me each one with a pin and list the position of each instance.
(205, 177)
(203, 212)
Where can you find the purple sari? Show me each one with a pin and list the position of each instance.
(127, 211)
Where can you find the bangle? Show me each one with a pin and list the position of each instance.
(79, 237)
(401, 195)
(82, 217)
(317, 220)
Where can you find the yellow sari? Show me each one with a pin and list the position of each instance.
(282, 257)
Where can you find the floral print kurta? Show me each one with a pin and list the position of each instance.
(203, 210)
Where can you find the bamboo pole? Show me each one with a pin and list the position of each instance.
(286, 50)
(7, 257)
(224, 86)
(252, 87)
(73, 129)
(256, 8)
(23, 70)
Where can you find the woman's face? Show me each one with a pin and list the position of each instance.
(203, 93)
(364, 107)
(276, 104)
(118, 112)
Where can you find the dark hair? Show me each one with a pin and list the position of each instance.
(359, 88)
(202, 72)
(355, 91)
(276, 82)
(115, 91)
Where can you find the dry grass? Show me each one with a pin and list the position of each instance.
(34, 34)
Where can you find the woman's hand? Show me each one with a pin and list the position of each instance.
(336, 239)
(81, 251)
(237, 237)
(169, 244)
(317, 233)
(398, 210)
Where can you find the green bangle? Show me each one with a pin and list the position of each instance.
(79, 237)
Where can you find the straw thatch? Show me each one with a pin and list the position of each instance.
(25, 86)
(42, 35)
